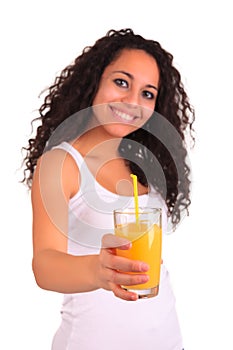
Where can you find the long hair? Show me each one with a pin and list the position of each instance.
(155, 147)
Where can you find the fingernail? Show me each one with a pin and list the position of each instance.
(134, 297)
(126, 246)
(145, 279)
(144, 267)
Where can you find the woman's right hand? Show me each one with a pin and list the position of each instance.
(114, 271)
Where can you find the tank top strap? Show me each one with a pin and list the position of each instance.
(72, 151)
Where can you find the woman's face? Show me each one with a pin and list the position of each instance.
(127, 93)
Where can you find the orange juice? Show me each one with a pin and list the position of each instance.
(146, 241)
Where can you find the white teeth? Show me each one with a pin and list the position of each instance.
(123, 115)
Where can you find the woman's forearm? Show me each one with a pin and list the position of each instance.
(65, 273)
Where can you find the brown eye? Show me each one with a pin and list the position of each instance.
(148, 95)
(121, 82)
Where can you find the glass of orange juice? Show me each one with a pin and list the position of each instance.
(144, 230)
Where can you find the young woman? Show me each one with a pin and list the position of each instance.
(120, 108)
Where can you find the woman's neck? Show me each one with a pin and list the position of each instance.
(95, 142)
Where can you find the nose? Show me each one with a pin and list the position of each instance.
(131, 98)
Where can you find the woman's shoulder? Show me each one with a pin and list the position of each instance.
(58, 168)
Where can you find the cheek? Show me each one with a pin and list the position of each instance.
(106, 94)
(148, 110)
(97, 99)
(101, 97)
(148, 104)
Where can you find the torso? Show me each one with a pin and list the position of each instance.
(109, 169)
(84, 314)
(114, 175)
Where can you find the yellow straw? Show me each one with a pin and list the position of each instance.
(135, 191)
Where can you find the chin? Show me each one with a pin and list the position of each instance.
(120, 131)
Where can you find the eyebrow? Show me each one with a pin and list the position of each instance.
(132, 77)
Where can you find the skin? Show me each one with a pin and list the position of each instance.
(128, 85)
(124, 101)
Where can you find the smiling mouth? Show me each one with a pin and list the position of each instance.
(120, 115)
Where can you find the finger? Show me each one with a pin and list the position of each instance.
(119, 263)
(127, 279)
(111, 241)
(124, 294)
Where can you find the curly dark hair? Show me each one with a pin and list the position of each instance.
(157, 145)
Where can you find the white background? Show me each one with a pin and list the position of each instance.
(38, 39)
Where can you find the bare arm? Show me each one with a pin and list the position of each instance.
(55, 182)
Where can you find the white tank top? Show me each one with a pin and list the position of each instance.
(99, 320)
